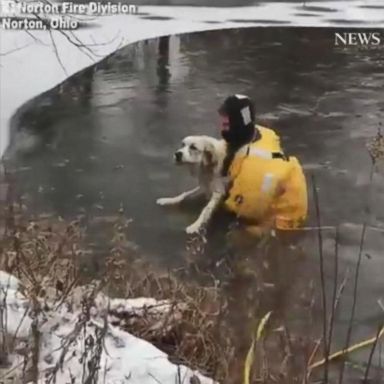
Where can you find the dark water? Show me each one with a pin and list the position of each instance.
(104, 140)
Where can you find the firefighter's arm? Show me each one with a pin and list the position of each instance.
(269, 221)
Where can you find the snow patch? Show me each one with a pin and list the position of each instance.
(72, 345)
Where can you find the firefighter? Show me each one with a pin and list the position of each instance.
(266, 189)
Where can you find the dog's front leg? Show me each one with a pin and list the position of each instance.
(177, 199)
(206, 214)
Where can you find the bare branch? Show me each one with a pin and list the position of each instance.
(57, 53)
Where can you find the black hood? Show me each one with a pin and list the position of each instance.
(241, 114)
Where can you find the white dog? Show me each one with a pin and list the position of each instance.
(204, 156)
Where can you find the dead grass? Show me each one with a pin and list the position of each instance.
(214, 331)
(46, 256)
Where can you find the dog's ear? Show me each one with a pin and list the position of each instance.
(209, 156)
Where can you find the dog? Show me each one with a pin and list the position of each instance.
(204, 156)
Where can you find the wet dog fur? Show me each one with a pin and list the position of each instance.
(204, 156)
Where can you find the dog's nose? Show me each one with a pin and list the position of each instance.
(178, 156)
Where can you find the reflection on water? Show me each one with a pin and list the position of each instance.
(104, 140)
(163, 63)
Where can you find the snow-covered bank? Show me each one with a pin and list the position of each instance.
(33, 64)
(71, 346)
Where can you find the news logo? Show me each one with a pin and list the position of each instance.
(359, 39)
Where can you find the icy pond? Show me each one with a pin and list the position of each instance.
(104, 139)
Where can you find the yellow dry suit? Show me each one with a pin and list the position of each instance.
(266, 186)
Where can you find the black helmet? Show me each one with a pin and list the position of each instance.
(240, 114)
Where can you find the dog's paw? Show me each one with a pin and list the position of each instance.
(193, 229)
(165, 201)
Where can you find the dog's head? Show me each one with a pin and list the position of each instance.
(197, 150)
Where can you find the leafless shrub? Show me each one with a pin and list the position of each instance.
(198, 330)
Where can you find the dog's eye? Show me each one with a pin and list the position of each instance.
(193, 147)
